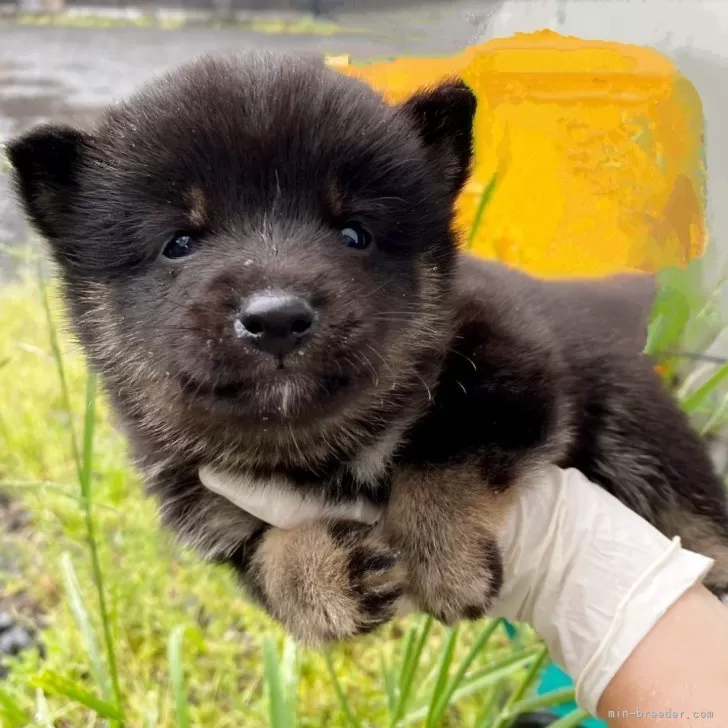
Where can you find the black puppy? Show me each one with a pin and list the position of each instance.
(258, 256)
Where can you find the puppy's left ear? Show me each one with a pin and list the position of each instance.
(443, 118)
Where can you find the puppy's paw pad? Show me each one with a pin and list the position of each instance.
(376, 575)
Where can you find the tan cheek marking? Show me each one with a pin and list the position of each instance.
(198, 213)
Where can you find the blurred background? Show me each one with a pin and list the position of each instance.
(65, 60)
(104, 621)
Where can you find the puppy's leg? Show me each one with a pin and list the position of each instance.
(645, 451)
(326, 582)
(323, 582)
(445, 524)
(703, 535)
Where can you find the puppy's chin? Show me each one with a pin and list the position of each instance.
(282, 397)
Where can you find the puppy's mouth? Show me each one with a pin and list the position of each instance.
(280, 394)
(279, 370)
(227, 390)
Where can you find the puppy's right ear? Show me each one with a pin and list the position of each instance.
(47, 164)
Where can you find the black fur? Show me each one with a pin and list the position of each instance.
(432, 383)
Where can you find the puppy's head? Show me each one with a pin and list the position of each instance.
(256, 239)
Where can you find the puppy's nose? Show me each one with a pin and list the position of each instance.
(276, 323)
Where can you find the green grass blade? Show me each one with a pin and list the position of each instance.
(426, 682)
(693, 401)
(482, 204)
(486, 678)
(506, 718)
(289, 674)
(473, 687)
(658, 335)
(11, 712)
(404, 662)
(716, 421)
(343, 702)
(89, 426)
(52, 682)
(483, 719)
(83, 621)
(678, 300)
(42, 485)
(58, 359)
(279, 708)
(151, 717)
(409, 646)
(42, 715)
(86, 490)
(542, 702)
(84, 467)
(409, 668)
(572, 720)
(505, 665)
(390, 684)
(443, 675)
(177, 674)
(477, 647)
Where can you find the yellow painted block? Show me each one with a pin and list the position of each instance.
(596, 149)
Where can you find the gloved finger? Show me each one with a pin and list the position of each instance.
(279, 504)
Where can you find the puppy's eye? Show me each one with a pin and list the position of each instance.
(179, 247)
(355, 236)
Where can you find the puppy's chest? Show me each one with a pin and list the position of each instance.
(408, 448)
(357, 487)
(445, 439)
(290, 493)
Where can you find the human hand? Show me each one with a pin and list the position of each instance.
(590, 575)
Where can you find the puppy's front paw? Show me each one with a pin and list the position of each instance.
(458, 581)
(444, 525)
(326, 582)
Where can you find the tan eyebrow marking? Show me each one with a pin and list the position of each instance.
(195, 198)
(335, 198)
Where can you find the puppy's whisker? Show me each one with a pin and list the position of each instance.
(463, 356)
(368, 365)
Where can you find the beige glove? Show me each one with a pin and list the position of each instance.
(275, 503)
(587, 573)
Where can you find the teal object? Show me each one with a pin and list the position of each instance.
(555, 679)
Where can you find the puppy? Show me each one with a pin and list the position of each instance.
(258, 256)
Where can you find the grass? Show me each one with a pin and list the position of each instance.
(267, 25)
(137, 632)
